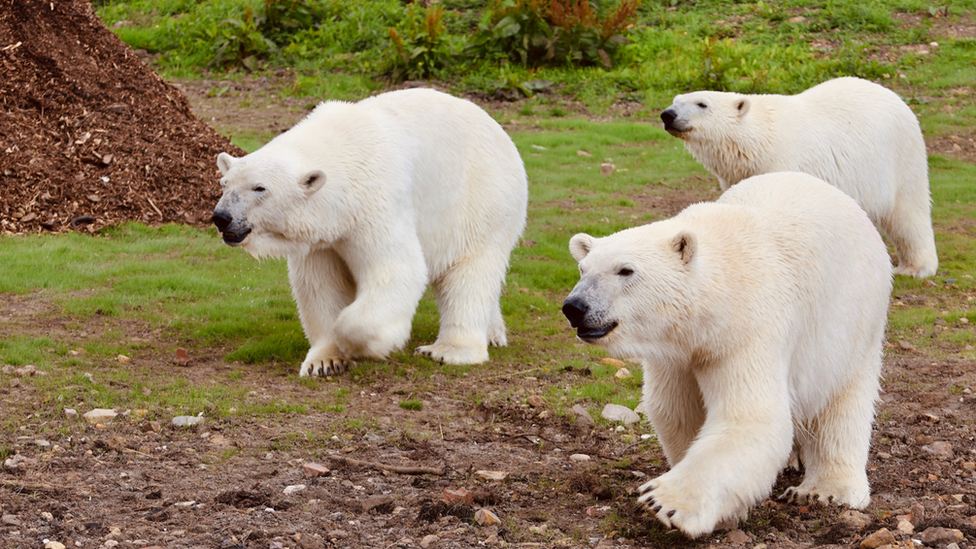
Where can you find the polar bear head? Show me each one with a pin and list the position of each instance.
(635, 286)
(264, 202)
(704, 114)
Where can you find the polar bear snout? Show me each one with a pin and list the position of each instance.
(589, 327)
(232, 233)
(673, 124)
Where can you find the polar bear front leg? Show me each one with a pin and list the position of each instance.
(322, 287)
(732, 464)
(468, 300)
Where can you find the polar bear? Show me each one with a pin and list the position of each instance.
(372, 201)
(858, 136)
(759, 320)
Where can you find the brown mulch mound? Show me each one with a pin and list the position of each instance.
(88, 132)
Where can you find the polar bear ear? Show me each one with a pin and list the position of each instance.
(743, 105)
(225, 162)
(313, 181)
(580, 246)
(685, 244)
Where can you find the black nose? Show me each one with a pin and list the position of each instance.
(575, 310)
(668, 117)
(222, 220)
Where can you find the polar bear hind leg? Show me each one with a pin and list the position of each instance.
(467, 298)
(834, 445)
(322, 287)
(909, 227)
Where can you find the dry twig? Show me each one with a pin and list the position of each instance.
(391, 468)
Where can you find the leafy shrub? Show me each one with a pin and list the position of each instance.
(537, 32)
(422, 48)
(238, 41)
(283, 18)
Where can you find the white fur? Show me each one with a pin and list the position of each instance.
(759, 319)
(854, 134)
(371, 202)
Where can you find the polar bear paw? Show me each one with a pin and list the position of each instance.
(453, 354)
(675, 509)
(812, 494)
(330, 366)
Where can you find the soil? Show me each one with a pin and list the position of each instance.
(89, 132)
(138, 481)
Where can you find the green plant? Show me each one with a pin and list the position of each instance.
(238, 42)
(537, 32)
(412, 404)
(283, 18)
(421, 46)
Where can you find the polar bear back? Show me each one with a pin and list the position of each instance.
(829, 272)
(849, 131)
(439, 161)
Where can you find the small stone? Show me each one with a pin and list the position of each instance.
(623, 373)
(71, 413)
(429, 539)
(582, 415)
(54, 545)
(939, 449)
(99, 415)
(877, 539)
(312, 470)
(579, 457)
(459, 496)
(337, 534)
(10, 520)
(931, 418)
(936, 536)
(493, 476)
(613, 362)
(26, 371)
(535, 401)
(294, 489)
(485, 517)
(109, 544)
(381, 504)
(539, 148)
(123, 359)
(738, 537)
(906, 345)
(187, 421)
(607, 169)
(583, 153)
(969, 466)
(855, 519)
(917, 514)
(952, 546)
(623, 414)
(906, 527)
(797, 19)
(182, 357)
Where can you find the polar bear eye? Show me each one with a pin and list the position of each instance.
(702, 106)
(259, 189)
(625, 271)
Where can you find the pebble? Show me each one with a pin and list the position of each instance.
(623, 373)
(70, 413)
(738, 537)
(535, 401)
(936, 536)
(458, 496)
(26, 371)
(337, 534)
(99, 415)
(582, 415)
(607, 169)
(485, 517)
(10, 520)
(47, 516)
(18, 462)
(855, 519)
(939, 449)
(289, 490)
(312, 470)
(579, 457)
(623, 414)
(110, 544)
(494, 476)
(428, 540)
(877, 539)
(53, 545)
(905, 526)
(613, 362)
(187, 421)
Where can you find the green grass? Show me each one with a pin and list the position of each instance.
(674, 47)
(179, 286)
